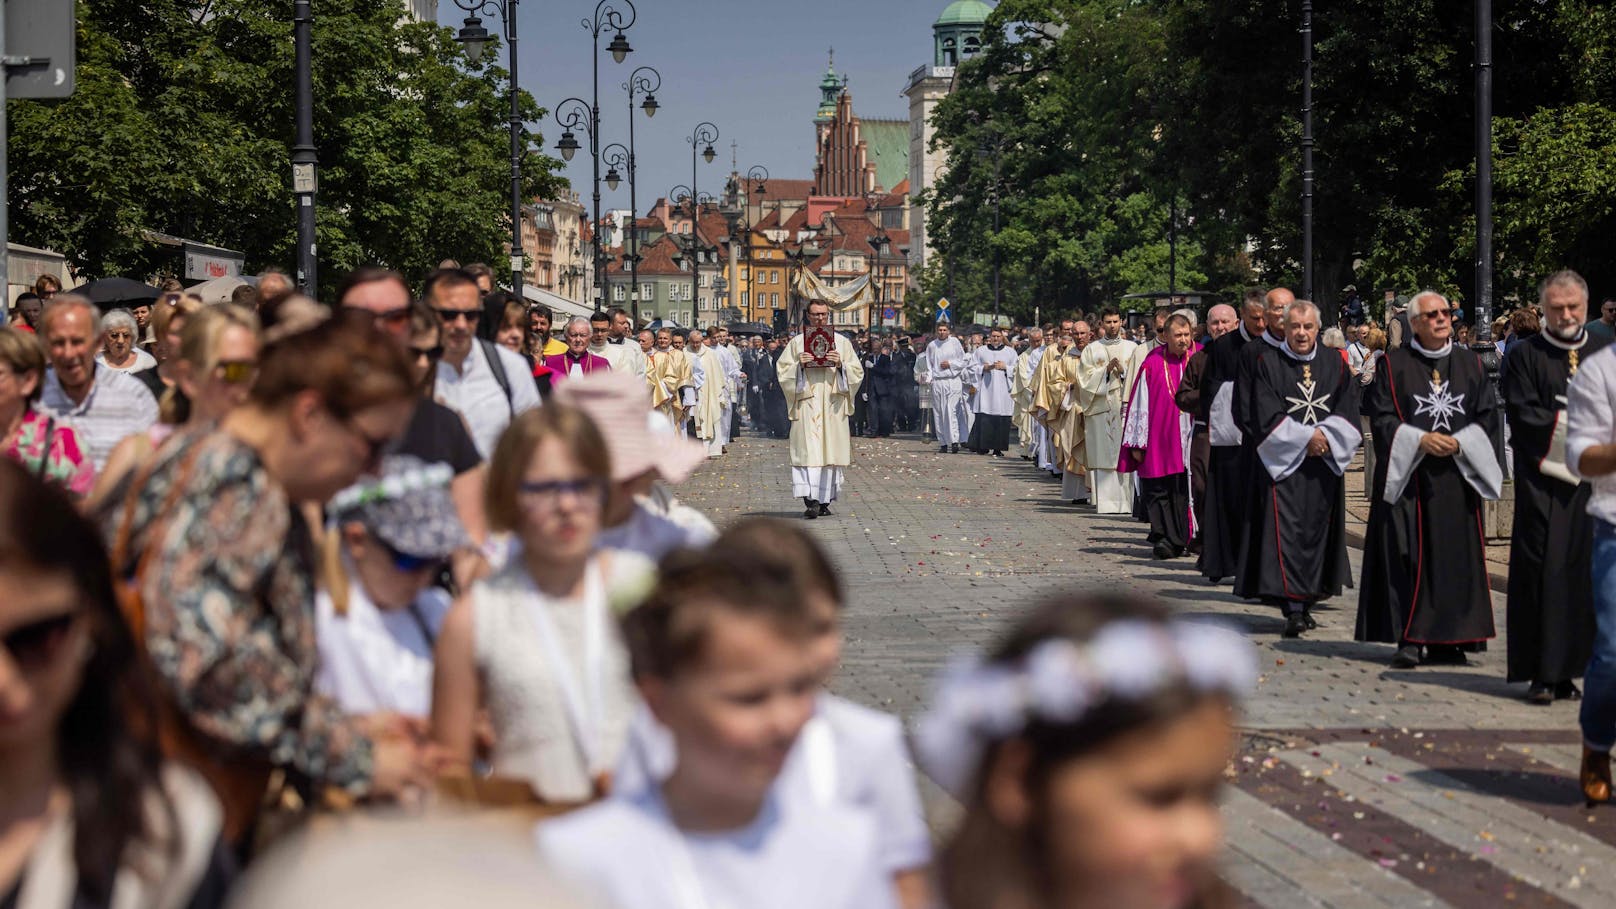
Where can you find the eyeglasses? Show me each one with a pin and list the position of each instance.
(37, 644)
(403, 561)
(589, 491)
(236, 372)
(120, 335)
(449, 316)
(431, 353)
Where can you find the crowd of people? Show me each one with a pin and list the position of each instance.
(402, 554)
(421, 551)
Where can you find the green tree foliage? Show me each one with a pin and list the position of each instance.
(1101, 112)
(182, 123)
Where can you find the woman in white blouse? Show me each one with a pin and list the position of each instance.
(537, 644)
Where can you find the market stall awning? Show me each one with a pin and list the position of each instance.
(558, 304)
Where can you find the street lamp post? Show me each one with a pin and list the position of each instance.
(647, 80)
(1484, 170)
(616, 16)
(701, 140)
(574, 114)
(682, 192)
(474, 37)
(305, 162)
(615, 156)
(1307, 149)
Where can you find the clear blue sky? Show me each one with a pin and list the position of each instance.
(751, 67)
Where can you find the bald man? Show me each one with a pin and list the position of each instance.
(1220, 320)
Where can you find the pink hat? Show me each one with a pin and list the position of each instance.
(620, 405)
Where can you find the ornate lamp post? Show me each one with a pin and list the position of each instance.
(474, 38)
(681, 193)
(647, 81)
(701, 140)
(610, 16)
(615, 156)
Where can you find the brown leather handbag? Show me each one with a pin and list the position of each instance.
(240, 780)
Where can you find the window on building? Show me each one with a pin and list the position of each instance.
(617, 292)
(950, 52)
(972, 45)
(647, 291)
(746, 298)
(774, 301)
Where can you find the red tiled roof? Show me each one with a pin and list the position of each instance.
(790, 190)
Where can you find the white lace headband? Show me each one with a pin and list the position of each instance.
(391, 486)
(978, 703)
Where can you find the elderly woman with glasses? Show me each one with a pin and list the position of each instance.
(119, 348)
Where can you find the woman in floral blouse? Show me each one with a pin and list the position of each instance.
(36, 440)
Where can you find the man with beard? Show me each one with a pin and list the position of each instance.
(1101, 371)
(1208, 394)
(1156, 439)
(1305, 412)
(945, 364)
(994, 405)
(1433, 416)
(1550, 618)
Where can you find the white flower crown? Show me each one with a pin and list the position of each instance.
(978, 703)
(392, 486)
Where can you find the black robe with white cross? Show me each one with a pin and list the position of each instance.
(1296, 542)
(1424, 567)
(1551, 615)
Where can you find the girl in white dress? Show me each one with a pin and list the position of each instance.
(536, 643)
(377, 615)
(1089, 749)
(724, 658)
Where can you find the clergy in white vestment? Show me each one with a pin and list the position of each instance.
(994, 364)
(718, 343)
(688, 394)
(712, 396)
(620, 350)
(946, 363)
(1021, 391)
(819, 401)
(1101, 373)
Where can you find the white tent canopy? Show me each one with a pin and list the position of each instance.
(558, 304)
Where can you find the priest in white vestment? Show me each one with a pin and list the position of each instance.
(819, 401)
(712, 396)
(946, 364)
(1101, 374)
(1021, 390)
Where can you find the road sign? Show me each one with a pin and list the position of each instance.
(942, 304)
(889, 313)
(40, 51)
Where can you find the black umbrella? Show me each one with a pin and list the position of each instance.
(751, 328)
(107, 293)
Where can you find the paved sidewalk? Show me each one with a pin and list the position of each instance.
(1357, 785)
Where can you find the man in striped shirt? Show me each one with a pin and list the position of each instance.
(102, 405)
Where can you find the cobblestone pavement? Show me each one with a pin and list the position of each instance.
(1357, 785)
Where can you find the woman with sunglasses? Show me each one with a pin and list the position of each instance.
(536, 643)
(90, 814)
(222, 561)
(213, 366)
(379, 614)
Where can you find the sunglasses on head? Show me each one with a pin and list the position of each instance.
(37, 644)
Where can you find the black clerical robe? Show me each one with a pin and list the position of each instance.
(1188, 399)
(1243, 411)
(1223, 513)
(1424, 568)
(775, 414)
(1550, 617)
(1296, 541)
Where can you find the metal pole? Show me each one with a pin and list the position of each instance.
(1172, 250)
(1484, 169)
(1307, 149)
(995, 250)
(631, 240)
(305, 162)
(695, 258)
(518, 254)
(594, 154)
(5, 187)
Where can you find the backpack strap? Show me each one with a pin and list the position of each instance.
(497, 367)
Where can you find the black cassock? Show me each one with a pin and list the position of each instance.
(774, 397)
(1296, 540)
(1424, 567)
(1223, 513)
(1551, 618)
(1242, 410)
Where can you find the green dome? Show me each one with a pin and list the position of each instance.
(964, 12)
